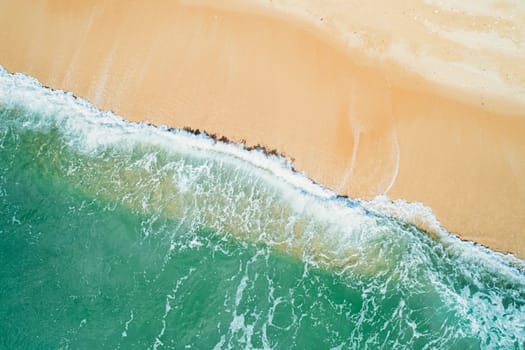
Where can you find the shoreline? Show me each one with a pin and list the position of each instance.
(380, 133)
(374, 207)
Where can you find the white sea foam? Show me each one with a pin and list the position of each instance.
(95, 130)
(259, 198)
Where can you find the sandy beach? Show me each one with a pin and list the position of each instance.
(415, 100)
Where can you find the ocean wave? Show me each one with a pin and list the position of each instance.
(256, 197)
(91, 131)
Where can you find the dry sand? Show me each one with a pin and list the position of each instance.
(416, 100)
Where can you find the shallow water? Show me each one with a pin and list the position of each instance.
(122, 235)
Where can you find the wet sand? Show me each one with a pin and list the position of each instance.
(412, 100)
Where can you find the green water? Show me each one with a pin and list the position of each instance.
(124, 236)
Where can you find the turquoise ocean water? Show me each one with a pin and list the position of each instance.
(115, 235)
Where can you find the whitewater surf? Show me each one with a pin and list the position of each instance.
(125, 235)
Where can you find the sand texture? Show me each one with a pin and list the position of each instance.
(410, 99)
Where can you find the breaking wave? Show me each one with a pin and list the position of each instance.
(376, 274)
